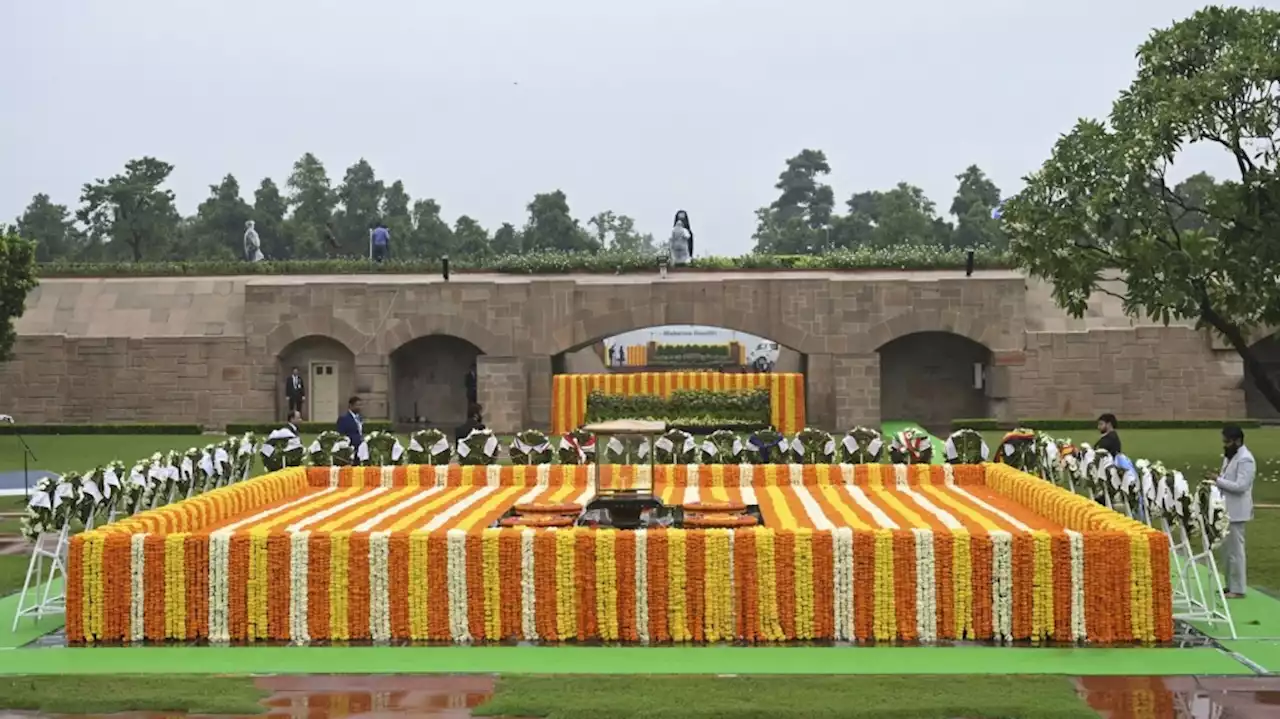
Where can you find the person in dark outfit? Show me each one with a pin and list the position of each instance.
(351, 424)
(295, 390)
(1110, 439)
(474, 422)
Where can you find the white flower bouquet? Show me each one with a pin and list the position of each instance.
(530, 447)
(861, 445)
(966, 446)
(53, 502)
(429, 446)
(330, 448)
(282, 448)
(380, 449)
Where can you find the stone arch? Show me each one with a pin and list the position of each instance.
(402, 331)
(315, 324)
(964, 324)
(318, 358)
(929, 377)
(427, 383)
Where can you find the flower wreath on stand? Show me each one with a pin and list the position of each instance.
(911, 446)
(330, 448)
(1108, 481)
(283, 448)
(223, 466)
(1018, 449)
(380, 449)
(530, 447)
(189, 474)
(813, 446)
(577, 447)
(162, 479)
(1047, 452)
(479, 447)
(107, 479)
(136, 491)
(766, 446)
(629, 450)
(675, 446)
(243, 452)
(722, 447)
(53, 503)
(1209, 517)
(862, 445)
(966, 446)
(430, 447)
(1068, 474)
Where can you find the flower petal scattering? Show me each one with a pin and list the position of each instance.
(413, 553)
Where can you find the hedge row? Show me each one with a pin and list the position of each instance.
(103, 428)
(1059, 425)
(700, 408)
(545, 263)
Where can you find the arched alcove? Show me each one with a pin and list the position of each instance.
(429, 380)
(329, 371)
(933, 378)
(1267, 350)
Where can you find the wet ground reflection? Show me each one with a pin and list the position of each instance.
(453, 697)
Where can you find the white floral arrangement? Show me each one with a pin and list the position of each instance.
(722, 446)
(861, 445)
(136, 490)
(429, 446)
(329, 449)
(189, 474)
(162, 477)
(1210, 519)
(813, 446)
(206, 476)
(1019, 449)
(479, 447)
(577, 447)
(766, 446)
(380, 449)
(966, 446)
(675, 446)
(244, 450)
(282, 448)
(530, 447)
(53, 503)
(1047, 453)
(1069, 471)
(911, 446)
(109, 481)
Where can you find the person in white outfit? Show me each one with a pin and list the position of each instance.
(681, 240)
(1236, 483)
(252, 245)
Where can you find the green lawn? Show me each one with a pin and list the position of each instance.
(702, 697)
(120, 693)
(80, 453)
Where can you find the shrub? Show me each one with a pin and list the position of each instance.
(1060, 425)
(690, 408)
(376, 425)
(105, 428)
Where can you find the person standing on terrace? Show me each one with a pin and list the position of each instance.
(1236, 483)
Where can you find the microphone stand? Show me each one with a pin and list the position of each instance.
(27, 457)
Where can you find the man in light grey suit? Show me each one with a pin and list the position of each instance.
(1236, 483)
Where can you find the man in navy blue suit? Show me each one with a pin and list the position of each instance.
(351, 424)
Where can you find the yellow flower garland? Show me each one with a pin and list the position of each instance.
(1042, 593)
(718, 620)
(259, 575)
(566, 592)
(492, 586)
(766, 573)
(607, 584)
(804, 583)
(1140, 588)
(339, 551)
(885, 622)
(962, 578)
(175, 589)
(418, 586)
(677, 604)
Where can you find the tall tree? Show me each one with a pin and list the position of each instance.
(132, 209)
(220, 222)
(552, 227)
(618, 232)
(1102, 206)
(431, 237)
(507, 240)
(269, 210)
(17, 279)
(361, 196)
(800, 220)
(470, 239)
(312, 198)
(976, 197)
(399, 219)
(52, 228)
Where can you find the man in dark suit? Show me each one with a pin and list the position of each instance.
(295, 418)
(295, 390)
(351, 424)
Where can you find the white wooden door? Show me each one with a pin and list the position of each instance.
(323, 391)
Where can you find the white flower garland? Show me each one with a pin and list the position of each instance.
(299, 557)
(137, 599)
(219, 553)
(843, 582)
(926, 587)
(1002, 591)
(642, 585)
(456, 555)
(528, 588)
(1078, 628)
(379, 590)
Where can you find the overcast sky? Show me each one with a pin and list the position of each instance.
(639, 107)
